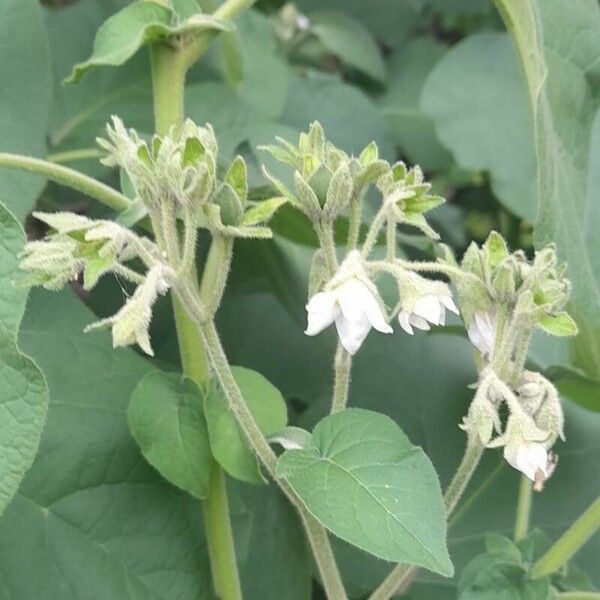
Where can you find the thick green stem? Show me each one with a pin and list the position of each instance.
(168, 84)
(68, 177)
(569, 542)
(523, 508)
(578, 596)
(220, 537)
(342, 367)
(402, 574)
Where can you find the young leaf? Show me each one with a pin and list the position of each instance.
(140, 23)
(364, 480)
(23, 391)
(226, 440)
(123, 34)
(166, 419)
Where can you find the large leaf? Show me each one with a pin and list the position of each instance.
(25, 98)
(167, 421)
(226, 440)
(476, 98)
(23, 391)
(349, 40)
(411, 128)
(92, 519)
(364, 480)
(559, 45)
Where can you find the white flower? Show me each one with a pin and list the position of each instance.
(352, 304)
(429, 308)
(482, 332)
(532, 459)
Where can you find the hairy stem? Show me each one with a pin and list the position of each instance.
(316, 534)
(74, 155)
(342, 367)
(169, 69)
(523, 508)
(578, 596)
(68, 177)
(354, 222)
(569, 542)
(403, 574)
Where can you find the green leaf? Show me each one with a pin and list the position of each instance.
(23, 391)
(500, 545)
(139, 23)
(476, 98)
(123, 34)
(91, 516)
(364, 480)
(166, 419)
(226, 440)
(560, 324)
(349, 40)
(411, 128)
(25, 72)
(547, 34)
(494, 577)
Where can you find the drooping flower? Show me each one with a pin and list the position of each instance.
(429, 308)
(352, 302)
(130, 324)
(482, 332)
(532, 459)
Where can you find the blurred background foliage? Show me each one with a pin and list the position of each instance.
(433, 82)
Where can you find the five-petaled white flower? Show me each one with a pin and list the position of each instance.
(532, 459)
(351, 300)
(482, 332)
(429, 308)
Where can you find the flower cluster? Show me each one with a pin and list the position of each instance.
(177, 173)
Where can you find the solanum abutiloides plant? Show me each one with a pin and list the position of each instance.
(181, 187)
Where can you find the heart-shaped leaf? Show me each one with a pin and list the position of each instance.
(364, 480)
(23, 391)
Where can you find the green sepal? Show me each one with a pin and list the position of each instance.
(263, 211)
(230, 204)
(237, 178)
(560, 324)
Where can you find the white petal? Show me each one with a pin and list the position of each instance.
(482, 332)
(429, 308)
(352, 297)
(321, 312)
(352, 333)
(442, 315)
(419, 322)
(529, 457)
(404, 320)
(375, 315)
(448, 302)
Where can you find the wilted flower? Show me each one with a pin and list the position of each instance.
(130, 324)
(351, 300)
(532, 459)
(430, 308)
(482, 332)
